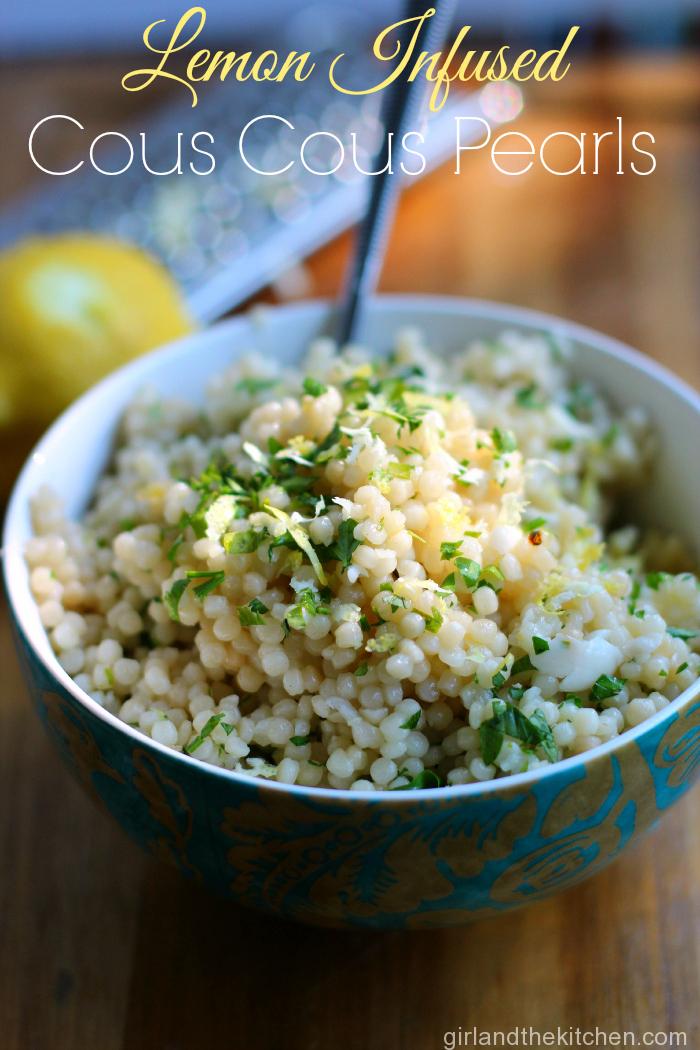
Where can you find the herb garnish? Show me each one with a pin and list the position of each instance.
(243, 542)
(344, 546)
(606, 686)
(655, 579)
(508, 720)
(313, 387)
(433, 621)
(503, 440)
(411, 722)
(172, 598)
(527, 397)
(251, 615)
(533, 524)
(681, 632)
(524, 663)
(307, 605)
(254, 385)
(427, 778)
(207, 730)
(469, 571)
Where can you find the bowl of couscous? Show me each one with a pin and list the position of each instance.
(394, 636)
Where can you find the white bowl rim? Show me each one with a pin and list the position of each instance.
(440, 304)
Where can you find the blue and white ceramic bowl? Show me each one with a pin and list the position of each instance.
(420, 859)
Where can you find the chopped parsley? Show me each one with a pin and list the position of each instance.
(207, 730)
(492, 577)
(461, 477)
(533, 524)
(540, 645)
(210, 581)
(571, 698)
(411, 722)
(244, 542)
(394, 601)
(172, 552)
(172, 598)
(524, 663)
(508, 720)
(427, 778)
(345, 545)
(313, 387)
(562, 444)
(580, 403)
(300, 741)
(433, 622)
(504, 440)
(606, 686)
(448, 549)
(251, 615)
(361, 670)
(469, 571)
(634, 595)
(681, 632)
(527, 397)
(655, 579)
(308, 604)
(253, 385)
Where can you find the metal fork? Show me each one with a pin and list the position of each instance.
(401, 105)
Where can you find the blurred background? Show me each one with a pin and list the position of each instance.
(47, 28)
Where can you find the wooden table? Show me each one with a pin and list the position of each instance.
(104, 949)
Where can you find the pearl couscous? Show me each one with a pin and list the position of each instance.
(390, 574)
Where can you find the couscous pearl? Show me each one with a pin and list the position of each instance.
(51, 613)
(287, 771)
(131, 711)
(126, 671)
(275, 663)
(164, 732)
(412, 625)
(383, 770)
(72, 660)
(65, 636)
(639, 710)
(349, 635)
(480, 771)
(399, 666)
(156, 679)
(485, 601)
(564, 734)
(339, 764)
(585, 720)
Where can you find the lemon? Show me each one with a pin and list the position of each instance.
(73, 308)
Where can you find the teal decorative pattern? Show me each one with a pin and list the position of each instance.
(421, 860)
